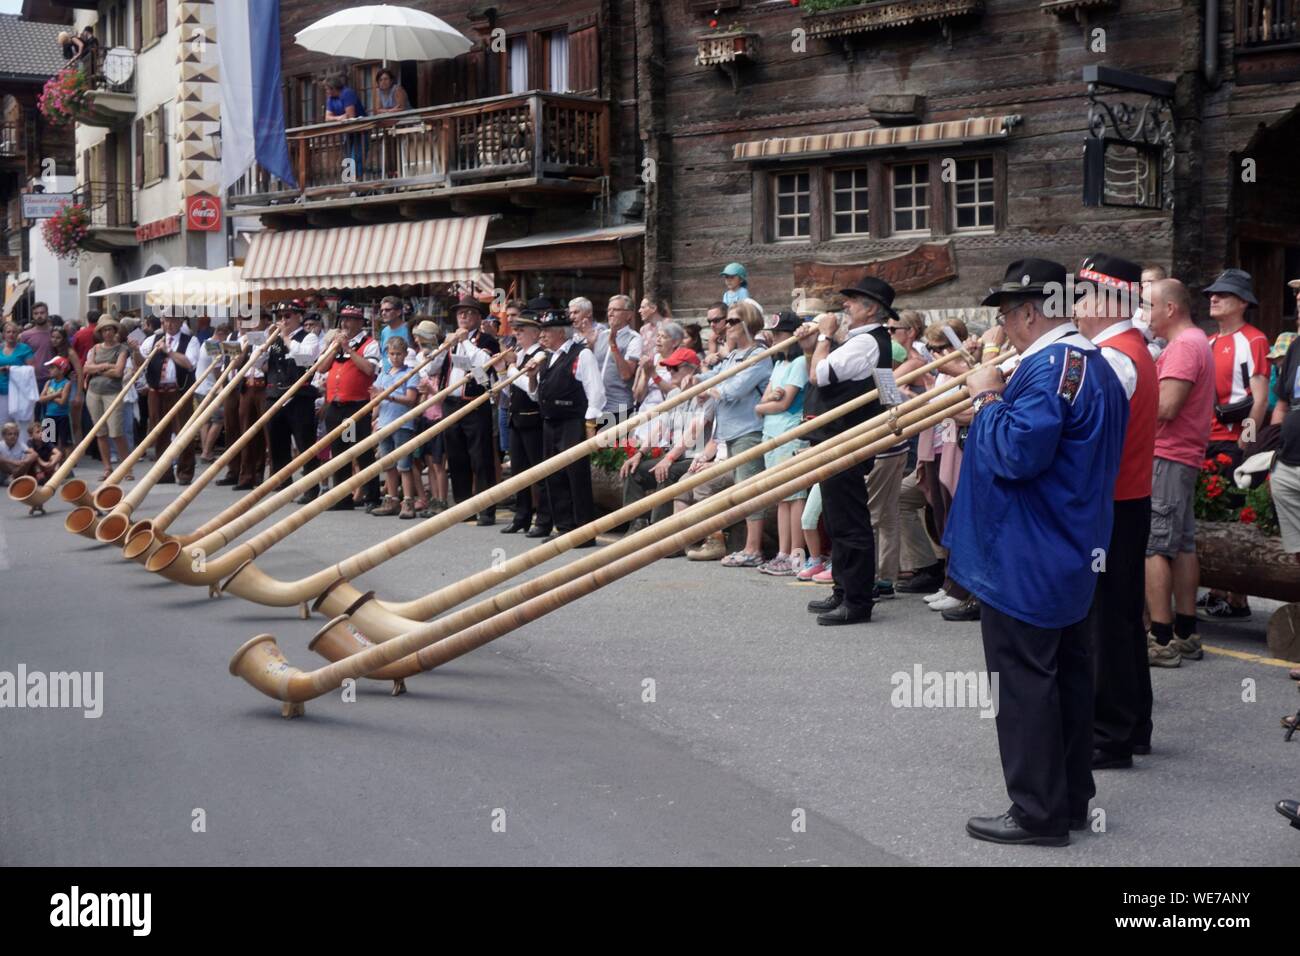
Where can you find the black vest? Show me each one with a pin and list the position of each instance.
(559, 393)
(153, 373)
(524, 412)
(821, 398)
(282, 371)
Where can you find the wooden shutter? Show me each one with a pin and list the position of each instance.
(584, 61)
(139, 152)
(137, 24)
(159, 17)
(160, 141)
(538, 60)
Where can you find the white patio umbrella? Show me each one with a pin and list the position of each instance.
(384, 32)
(147, 283)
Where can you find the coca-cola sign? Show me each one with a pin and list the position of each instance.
(203, 213)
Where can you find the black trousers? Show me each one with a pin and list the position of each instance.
(335, 413)
(470, 455)
(853, 543)
(1122, 702)
(294, 424)
(569, 488)
(525, 453)
(1044, 717)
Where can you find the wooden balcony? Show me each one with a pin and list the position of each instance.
(1267, 41)
(507, 146)
(112, 97)
(112, 215)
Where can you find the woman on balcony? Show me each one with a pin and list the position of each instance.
(389, 95)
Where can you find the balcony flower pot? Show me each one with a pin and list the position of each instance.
(727, 50)
(66, 96)
(829, 19)
(66, 231)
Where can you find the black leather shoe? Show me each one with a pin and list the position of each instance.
(825, 605)
(1101, 760)
(514, 528)
(243, 486)
(308, 496)
(589, 543)
(536, 532)
(347, 504)
(167, 479)
(1141, 750)
(922, 582)
(226, 481)
(1291, 810)
(1005, 829)
(485, 521)
(968, 610)
(842, 615)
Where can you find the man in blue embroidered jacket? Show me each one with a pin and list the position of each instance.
(1027, 534)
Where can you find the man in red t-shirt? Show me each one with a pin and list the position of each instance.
(1241, 372)
(84, 340)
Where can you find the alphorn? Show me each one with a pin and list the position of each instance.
(25, 489)
(108, 493)
(145, 537)
(209, 571)
(111, 529)
(382, 620)
(251, 583)
(260, 662)
(254, 431)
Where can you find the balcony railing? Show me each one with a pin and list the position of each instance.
(531, 135)
(1266, 22)
(113, 69)
(111, 205)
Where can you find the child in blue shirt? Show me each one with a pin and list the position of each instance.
(390, 410)
(56, 397)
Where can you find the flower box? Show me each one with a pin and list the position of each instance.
(715, 49)
(841, 21)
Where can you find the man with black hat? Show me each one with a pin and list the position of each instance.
(532, 506)
(347, 388)
(169, 373)
(569, 392)
(471, 459)
(287, 359)
(1109, 289)
(1027, 535)
(839, 374)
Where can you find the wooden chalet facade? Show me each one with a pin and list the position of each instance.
(933, 141)
(535, 128)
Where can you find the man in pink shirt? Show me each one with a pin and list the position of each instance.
(1185, 372)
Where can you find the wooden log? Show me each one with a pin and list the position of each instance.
(1284, 633)
(1239, 557)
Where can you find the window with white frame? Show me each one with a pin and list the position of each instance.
(911, 197)
(849, 202)
(793, 205)
(972, 194)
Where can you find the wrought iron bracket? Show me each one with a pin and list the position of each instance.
(1147, 121)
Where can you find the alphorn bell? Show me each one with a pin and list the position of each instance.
(142, 542)
(25, 489)
(112, 527)
(260, 661)
(255, 585)
(209, 571)
(209, 474)
(381, 620)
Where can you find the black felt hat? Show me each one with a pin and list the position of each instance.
(1028, 277)
(875, 289)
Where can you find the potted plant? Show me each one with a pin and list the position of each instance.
(65, 97)
(66, 230)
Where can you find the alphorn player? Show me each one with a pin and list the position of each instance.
(347, 389)
(1108, 289)
(252, 403)
(471, 459)
(838, 374)
(568, 389)
(169, 373)
(532, 506)
(295, 423)
(1027, 535)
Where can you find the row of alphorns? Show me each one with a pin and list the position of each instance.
(387, 640)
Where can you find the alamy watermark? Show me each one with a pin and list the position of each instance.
(952, 689)
(77, 690)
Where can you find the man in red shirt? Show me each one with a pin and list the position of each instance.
(1109, 296)
(1241, 372)
(84, 340)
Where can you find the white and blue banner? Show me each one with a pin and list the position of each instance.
(252, 104)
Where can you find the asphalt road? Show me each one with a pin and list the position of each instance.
(541, 747)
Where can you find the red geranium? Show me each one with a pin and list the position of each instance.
(1214, 487)
(1248, 515)
(1208, 465)
(1223, 459)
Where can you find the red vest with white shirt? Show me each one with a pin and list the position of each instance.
(347, 383)
(1138, 457)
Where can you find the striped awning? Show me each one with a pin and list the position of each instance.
(360, 257)
(878, 137)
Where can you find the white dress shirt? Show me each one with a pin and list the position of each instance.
(303, 353)
(370, 353)
(466, 357)
(854, 360)
(588, 374)
(168, 376)
(256, 374)
(1124, 368)
(522, 359)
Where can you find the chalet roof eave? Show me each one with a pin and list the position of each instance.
(921, 136)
